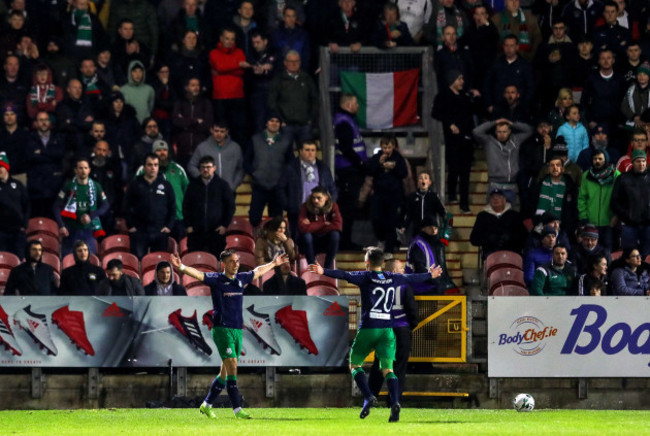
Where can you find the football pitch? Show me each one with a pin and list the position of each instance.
(292, 422)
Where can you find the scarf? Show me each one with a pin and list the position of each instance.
(441, 22)
(81, 19)
(42, 94)
(270, 140)
(507, 27)
(70, 209)
(604, 176)
(91, 85)
(551, 197)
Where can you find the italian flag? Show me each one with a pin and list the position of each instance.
(385, 99)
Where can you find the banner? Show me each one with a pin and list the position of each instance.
(568, 337)
(149, 331)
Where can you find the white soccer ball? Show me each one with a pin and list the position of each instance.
(524, 403)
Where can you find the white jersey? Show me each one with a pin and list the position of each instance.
(415, 13)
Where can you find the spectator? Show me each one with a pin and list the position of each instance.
(82, 278)
(127, 48)
(13, 89)
(595, 195)
(611, 35)
(32, 277)
(208, 208)
(299, 177)
(164, 98)
(510, 107)
(416, 15)
(43, 95)
(554, 278)
(423, 202)
(561, 151)
(452, 57)
(78, 209)
(627, 68)
(599, 141)
(74, 116)
(347, 27)
(293, 96)
(387, 169)
(143, 18)
(532, 158)
(12, 141)
(580, 17)
(534, 239)
(637, 98)
(548, 13)
(574, 133)
(557, 115)
(107, 171)
(482, 40)
(541, 255)
(603, 92)
(243, 23)
(284, 282)
(188, 61)
(228, 64)
(106, 71)
(639, 142)
(389, 31)
(63, 67)
(143, 146)
(83, 33)
(192, 118)
(137, 93)
(45, 151)
(522, 24)
(498, 226)
(502, 152)
(94, 87)
(262, 60)
(189, 19)
(119, 284)
(274, 240)
(629, 203)
(289, 35)
(226, 153)
(268, 153)
(274, 13)
(630, 277)
(14, 210)
(588, 245)
(585, 63)
(163, 283)
(320, 225)
(445, 13)
(122, 128)
(594, 282)
(150, 208)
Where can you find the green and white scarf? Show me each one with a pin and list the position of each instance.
(70, 209)
(84, 28)
(507, 25)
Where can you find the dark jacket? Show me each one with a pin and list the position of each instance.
(45, 172)
(14, 145)
(291, 188)
(177, 290)
(25, 280)
(126, 286)
(602, 98)
(276, 286)
(630, 198)
(189, 133)
(206, 207)
(14, 206)
(460, 59)
(493, 232)
(420, 204)
(569, 215)
(150, 206)
(502, 74)
(417, 262)
(83, 278)
(283, 40)
(580, 257)
(294, 98)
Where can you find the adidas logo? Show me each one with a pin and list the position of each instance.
(32, 324)
(256, 324)
(334, 310)
(112, 311)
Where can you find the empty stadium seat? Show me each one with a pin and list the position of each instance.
(321, 290)
(502, 258)
(183, 247)
(312, 279)
(198, 259)
(129, 260)
(617, 255)
(510, 291)
(172, 245)
(42, 225)
(505, 276)
(241, 243)
(240, 226)
(8, 260)
(246, 260)
(52, 260)
(68, 260)
(115, 243)
(149, 261)
(49, 242)
(147, 277)
(4, 276)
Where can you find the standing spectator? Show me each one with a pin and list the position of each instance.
(349, 164)
(416, 14)
(83, 33)
(143, 146)
(78, 209)
(510, 107)
(74, 116)
(289, 35)
(13, 87)
(627, 67)
(421, 203)
(452, 57)
(611, 35)
(347, 27)
(639, 142)
(208, 208)
(12, 141)
(119, 284)
(94, 87)
(243, 23)
(299, 177)
(522, 24)
(262, 60)
(274, 13)
(164, 98)
(532, 158)
(106, 71)
(561, 151)
(82, 278)
(293, 96)
(595, 196)
(63, 67)
(320, 225)
(45, 151)
(574, 133)
(629, 203)
(189, 19)
(498, 226)
(192, 118)
(143, 17)
(387, 169)
(389, 31)
(150, 209)
(14, 210)
(126, 49)
(268, 153)
(226, 153)
(580, 16)
(188, 61)
(585, 63)
(137, 93)
(554, 278)
(163, 283)
(32, 277)
(122, 129)
(541, 255)
(284, 282)
(557, 115)
(107, 171)
(43, 95)
(482, 39)
(603, 92)
(445, 13)
(637, 98)
(228, 64)
(274, 240)
(599, 141)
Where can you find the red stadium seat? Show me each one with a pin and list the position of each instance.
(149, 261)
(8, 260)
(312, 279)
(617, 255)
(130, 272)
(246, 260)
(115, 243)
(49, 242)
(265, 277)
(240, 226)
(502, 258)
(172, 245)
(201, 259)
(4, 276)
(510, 291)
(183, 247)
(68, 260)
(129, 260)
(241, 243)
(42, 225)
(198, 291)
(147, 277)
(303, 264)
(505, 276)
(52, 260)
(321, 290)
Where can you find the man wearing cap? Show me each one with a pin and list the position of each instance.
(561, 150)
(600, 140)
(265, 159)
(588, 247)
(637, 97)
(630, 204)
(498, 226)
(595, 195)
(534, 239)
(12, 141)
(14, 210)
(556, 277)
(638, 142)
(540, 255)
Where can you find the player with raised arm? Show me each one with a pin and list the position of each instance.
(375, 329)
(227, 290)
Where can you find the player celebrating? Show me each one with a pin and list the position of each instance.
(375, 329)
(227, 291)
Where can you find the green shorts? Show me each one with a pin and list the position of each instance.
(228, 342)
(381, 341)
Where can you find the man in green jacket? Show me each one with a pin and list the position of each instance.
(554, 278)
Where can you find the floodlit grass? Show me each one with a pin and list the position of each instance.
(316, 422)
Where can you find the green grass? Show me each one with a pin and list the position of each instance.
(316, 422)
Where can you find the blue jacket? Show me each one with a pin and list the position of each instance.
(627, 282)
(534, 259)
(283, 40)
(577, 139)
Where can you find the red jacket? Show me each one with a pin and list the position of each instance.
(317, 221)
(227, 75)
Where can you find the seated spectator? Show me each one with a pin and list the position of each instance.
(541, 255)
(78, 209)
(43, 95)
(594, 281)
(14, 211)
(389, 31)
(82, 278)
(630, 274)
(498, 226)
(119, 284)
(32, 277)
(137, 93)
(273, 241)
(574, 132)
(639, 142)
(425, 250)
(163, 284)
(556, 277)
(423, 202)
(587, 246)
(320, 225)
(284, 282)
(637, 97)
(535, 236)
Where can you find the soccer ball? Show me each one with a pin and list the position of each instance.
(524, 403)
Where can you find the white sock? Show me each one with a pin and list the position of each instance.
(236, 410)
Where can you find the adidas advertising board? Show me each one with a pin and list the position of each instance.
(568, 337)
(148, 331)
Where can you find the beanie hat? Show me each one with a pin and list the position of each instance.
(637, 154)
(600, 128)
(451, 76)
(589, 231)
(273, 114)
(159, 144)
(549, 217)
(9, 107)
(643, 68)
(429, 221)
(117, 96)
(548, 230)
(4, 160)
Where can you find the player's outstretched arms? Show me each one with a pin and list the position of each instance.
(192, 272)
(277, 261)
(435, 270)
(315, 268)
